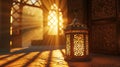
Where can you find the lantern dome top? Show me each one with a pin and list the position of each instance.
(76, 25)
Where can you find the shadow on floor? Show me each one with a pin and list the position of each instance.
(23, 53)
(45, 56)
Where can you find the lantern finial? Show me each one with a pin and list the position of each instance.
(76, 24)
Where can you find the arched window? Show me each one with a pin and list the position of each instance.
(55, 21)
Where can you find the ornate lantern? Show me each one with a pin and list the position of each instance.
(77, 47)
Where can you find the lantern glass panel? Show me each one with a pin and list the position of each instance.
(78, 44)
(68, 44)
(86, 42)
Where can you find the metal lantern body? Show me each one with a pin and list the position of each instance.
(76, 35)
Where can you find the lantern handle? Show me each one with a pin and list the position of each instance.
(75, 12)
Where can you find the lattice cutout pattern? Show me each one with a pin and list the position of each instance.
(16, 13)
(17, 0)
(78, 44)
(33, 2)
(55, 21)
(68, 44)
(15, 18)
(86, 42)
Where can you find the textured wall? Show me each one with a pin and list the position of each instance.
(104, 26)
(118, 6)
(103, 9)
(5, 25)
(104, 37)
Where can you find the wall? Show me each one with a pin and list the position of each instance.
(118, 6)
(79, 6)
(104, 26)
(5, 26)
(0, 16)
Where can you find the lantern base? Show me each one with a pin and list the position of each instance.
(82, 59)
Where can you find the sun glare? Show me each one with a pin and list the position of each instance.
(55, 21)
(10, 43)
(33, 1)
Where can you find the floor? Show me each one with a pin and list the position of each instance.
(47, 57)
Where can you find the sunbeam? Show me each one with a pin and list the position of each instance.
(34, 26)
